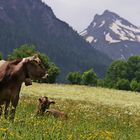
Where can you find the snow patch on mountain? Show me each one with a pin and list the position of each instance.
(131, 28)
(125, 32)
(95, 40)
(117, 30)
(110, 39)
(83, 33)
(103, 22)
(123, 57)
(94, 24)
(126, 46)
(89, 39)
(138, 38)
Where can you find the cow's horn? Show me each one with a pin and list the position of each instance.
(35, 56)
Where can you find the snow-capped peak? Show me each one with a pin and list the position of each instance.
(111, 28)
(125, 32)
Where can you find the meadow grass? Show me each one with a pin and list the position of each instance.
(93, 113)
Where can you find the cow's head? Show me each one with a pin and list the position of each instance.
(34, 67)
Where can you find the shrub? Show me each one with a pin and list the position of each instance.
(89, 78)
(101, 83)
(123, 84)
(137, 75)
(117, 70)
(74, 78)
(23, 51)
(134, 85)
(53, 72)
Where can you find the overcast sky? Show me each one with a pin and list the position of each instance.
(80, 13)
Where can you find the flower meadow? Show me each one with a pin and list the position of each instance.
(93, 113)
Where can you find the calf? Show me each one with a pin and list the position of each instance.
(44, 103)
(43, 108)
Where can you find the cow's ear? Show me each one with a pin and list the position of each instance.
(35, 56)
(40, 100)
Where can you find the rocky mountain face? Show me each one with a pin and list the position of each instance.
(33, 22)
(111, 34)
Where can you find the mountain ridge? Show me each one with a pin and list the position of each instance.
(108, 31)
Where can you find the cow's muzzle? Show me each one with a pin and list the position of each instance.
(45, 76)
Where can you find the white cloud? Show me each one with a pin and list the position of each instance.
(79, 13)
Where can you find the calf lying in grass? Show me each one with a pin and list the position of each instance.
(44, 105)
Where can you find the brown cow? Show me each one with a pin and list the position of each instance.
(12, 75)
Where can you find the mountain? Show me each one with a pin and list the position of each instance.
(111, 34)
(33, 22)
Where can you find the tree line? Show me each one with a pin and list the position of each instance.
(124, 74)
(89, 77)
(121, 74)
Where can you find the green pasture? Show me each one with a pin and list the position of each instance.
(93, 113)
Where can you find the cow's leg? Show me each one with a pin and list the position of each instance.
(6, 109)
(14, 103)
(0, 110)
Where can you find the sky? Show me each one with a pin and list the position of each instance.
(80, 13)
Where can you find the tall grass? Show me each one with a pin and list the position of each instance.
(93, 113)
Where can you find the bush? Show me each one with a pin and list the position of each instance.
(101, 83)
(133, 67)
(117, 70)
(23, 51)
(89, 78)
(134, 85)
(74, 78)
(123, 84)
(53, 72)
(137, 75)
